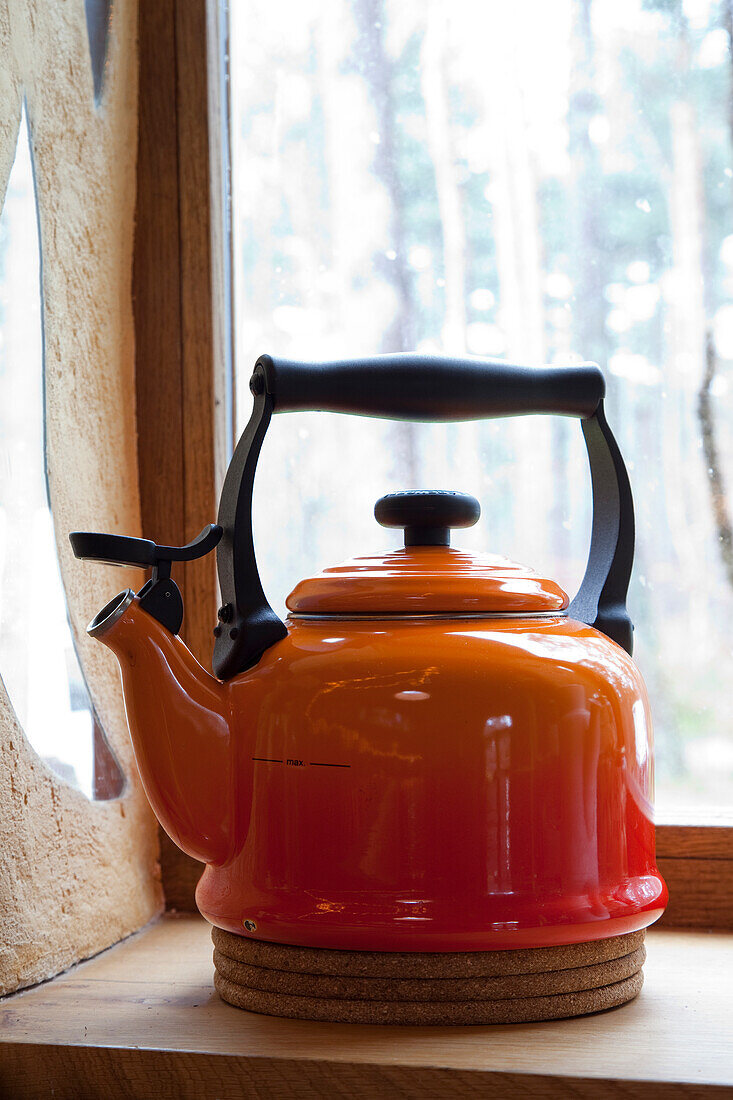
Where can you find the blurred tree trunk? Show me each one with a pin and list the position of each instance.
(683, 485)
(465, 442)
(516, 216)
(377, 69)
(713, 463)
(519, 270)
(706, 412)
(586, 192)
(450, 202)
(727, 19)
(587, 334)
(339, 200)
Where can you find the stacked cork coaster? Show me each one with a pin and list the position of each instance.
(476, 987)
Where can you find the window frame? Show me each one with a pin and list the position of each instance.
(185, 381)
(183, 311)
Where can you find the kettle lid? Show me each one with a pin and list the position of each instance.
(428, 576)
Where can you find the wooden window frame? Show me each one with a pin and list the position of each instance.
(696, 862)
(184, 370)
(183, 310)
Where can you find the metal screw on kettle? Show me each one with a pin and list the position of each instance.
(257, 382)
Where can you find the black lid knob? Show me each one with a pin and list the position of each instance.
(427, 515)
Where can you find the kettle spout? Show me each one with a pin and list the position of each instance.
(179, 724)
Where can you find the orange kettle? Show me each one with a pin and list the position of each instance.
(438, 751)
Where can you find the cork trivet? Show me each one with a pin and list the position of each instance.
(514, 1011)
(336, 987)
(414, 964)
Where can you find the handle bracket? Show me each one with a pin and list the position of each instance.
(247, 624)
(431, 388)
(601, 598)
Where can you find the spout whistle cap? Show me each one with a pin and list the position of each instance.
(110, 613)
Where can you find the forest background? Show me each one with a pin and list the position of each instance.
(546, 182)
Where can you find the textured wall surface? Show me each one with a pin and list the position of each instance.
(76, 876)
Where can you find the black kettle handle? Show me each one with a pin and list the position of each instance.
(427, 388)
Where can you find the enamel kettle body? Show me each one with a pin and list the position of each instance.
(439, 751)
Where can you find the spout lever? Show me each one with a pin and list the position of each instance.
(159, 596)
(123, 550)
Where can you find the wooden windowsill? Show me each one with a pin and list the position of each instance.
(142, 1019)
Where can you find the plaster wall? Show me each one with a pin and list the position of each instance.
(76, 876)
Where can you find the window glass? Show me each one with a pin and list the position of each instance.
(544, 182)
(38, 662)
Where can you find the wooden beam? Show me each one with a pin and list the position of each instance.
(696, 862)
(700, 893)
(157, 281)
(182, 316)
